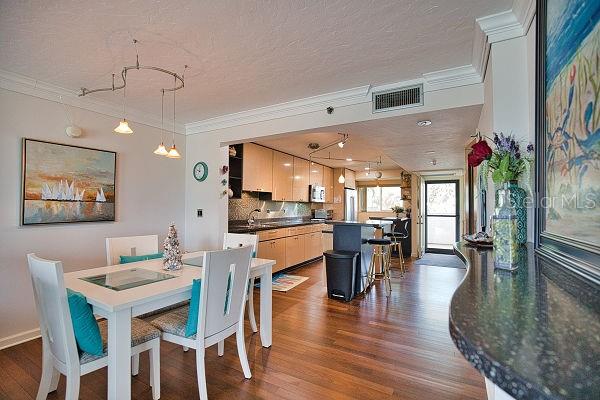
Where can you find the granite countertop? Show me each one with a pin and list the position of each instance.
(275, 224)
(535, 332)
(374, 223)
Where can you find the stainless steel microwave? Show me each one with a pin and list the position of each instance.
(317, 194)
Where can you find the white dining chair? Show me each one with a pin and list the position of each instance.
(129, 246)
(221, 309)
(59, 349)
(230, 241)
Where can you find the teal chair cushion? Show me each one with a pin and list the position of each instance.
(130, 259)
(191, 327)
(85, 326)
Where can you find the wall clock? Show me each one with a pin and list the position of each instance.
(200, 171)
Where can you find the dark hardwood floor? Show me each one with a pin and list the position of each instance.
(373, 347)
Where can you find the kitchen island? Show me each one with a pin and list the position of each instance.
(353, 236)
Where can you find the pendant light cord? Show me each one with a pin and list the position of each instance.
(162, 116)
(124, 89)
(175, 79)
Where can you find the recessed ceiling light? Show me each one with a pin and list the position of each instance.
(430, 152)
(424, 122)
(367, 168)
(287, 164)
(314, 171)
(348, 159)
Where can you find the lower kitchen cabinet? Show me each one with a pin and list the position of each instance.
(312, 245)
(273, 250)
(294, 250)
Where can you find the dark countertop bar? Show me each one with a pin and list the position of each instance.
(534, 333)
(276, 224)
(372, 223)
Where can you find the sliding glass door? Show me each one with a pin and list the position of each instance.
(441, 216)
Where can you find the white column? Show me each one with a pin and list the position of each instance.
(119, 355)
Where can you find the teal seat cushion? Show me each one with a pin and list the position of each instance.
(191, 327)
(85, 326)
(130, 259)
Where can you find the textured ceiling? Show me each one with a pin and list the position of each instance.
(398, 140)
(242, 54)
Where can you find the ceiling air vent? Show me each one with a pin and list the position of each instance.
(393, 99)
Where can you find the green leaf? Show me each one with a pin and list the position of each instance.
(497, 176)
(505, 163)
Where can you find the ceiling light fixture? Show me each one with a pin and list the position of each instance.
(424, 122)
(342, 179)
(173, 153)
(161, 150)
(348, 159)
(123, 126)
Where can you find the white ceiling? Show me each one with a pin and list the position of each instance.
(398, 140)
(242, 54)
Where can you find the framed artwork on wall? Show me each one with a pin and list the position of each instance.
(568, 134)
(64, 183)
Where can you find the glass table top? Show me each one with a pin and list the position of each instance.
(195, 262)
(127, 279)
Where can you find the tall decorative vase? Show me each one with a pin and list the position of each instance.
(505, 227)
(517, 199)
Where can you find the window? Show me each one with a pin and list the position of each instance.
(381, 198)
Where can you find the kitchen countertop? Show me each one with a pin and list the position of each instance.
(264, 226)
(535, 333)
(374, 223)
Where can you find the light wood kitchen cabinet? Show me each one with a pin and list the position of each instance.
(283, 176)
(312, 245)
(294, 250)
(258, 168)
(301, 173)
(350, 179)
(328, 184)
(274, 250)
(316, 174)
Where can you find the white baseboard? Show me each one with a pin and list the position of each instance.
(19, 338)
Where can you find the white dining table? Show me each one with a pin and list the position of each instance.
(118, 307)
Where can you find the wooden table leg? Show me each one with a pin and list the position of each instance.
(266, 306)
(119, 355)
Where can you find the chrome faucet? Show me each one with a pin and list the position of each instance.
(251, 217)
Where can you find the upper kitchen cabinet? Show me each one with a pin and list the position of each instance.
(258, 168)
(316, 174)
(283, 176)
(301, 178)
(328, 184)
(350, 177)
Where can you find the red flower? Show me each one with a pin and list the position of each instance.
(479, 151)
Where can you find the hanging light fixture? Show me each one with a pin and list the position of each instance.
(173, 153)
(123, 125)
(342, 179)
(161, 149)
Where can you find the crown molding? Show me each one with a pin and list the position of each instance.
(295, 107)
(525, 11)
(451, 77)
(47, 91)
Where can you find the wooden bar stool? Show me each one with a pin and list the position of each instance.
(382, 257)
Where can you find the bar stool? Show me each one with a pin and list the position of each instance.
(396, 238)
(381, 256)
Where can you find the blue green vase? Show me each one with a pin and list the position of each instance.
(517, 199)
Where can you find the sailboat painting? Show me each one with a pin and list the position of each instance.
(64, 183)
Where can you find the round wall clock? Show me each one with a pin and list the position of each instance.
(200, 171)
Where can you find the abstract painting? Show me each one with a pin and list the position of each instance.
(64, 183)
(572, 120)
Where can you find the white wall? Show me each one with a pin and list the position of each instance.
(150, 195)
(205, 232)
(509, 107)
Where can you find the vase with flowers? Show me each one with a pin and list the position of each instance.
(397, 210)
(507, 164)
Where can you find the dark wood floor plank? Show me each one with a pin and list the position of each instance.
(373, 347)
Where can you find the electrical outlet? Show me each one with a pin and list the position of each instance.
(199, 213)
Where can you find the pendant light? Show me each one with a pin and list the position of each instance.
(161, 149)
(173, 153)
(123, 127)
(342, 179)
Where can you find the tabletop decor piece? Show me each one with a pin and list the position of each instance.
(506, 244)
(64, 183)
(200, 171)
(568, 134)
(397, 210)
(172, 256)
(507, 164)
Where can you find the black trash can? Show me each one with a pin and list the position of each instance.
(341, 270)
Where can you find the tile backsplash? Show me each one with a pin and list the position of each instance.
(239, 209)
